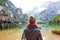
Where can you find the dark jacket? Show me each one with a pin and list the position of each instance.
(32, 33)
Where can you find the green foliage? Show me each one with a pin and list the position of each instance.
(1, 1)
(55, 19)
(23, 21)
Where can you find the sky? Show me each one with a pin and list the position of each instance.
(28, 5)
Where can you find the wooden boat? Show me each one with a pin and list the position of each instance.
(56, 32)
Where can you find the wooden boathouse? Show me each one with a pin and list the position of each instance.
(7, 22)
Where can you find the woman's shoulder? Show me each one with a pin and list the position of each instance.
(37, 29)
(32, 28)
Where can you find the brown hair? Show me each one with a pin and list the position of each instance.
(32, 19)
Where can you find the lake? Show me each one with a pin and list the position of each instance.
(46, 31)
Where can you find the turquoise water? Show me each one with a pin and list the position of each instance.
(49, 27)
(44, 26)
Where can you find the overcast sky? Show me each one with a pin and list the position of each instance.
(28, 5)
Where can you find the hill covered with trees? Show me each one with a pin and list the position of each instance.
(55, 20)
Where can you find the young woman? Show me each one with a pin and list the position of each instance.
(32, 32)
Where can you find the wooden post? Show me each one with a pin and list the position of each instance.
(2, 25)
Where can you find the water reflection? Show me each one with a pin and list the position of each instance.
(50, 27)
(46, 31)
